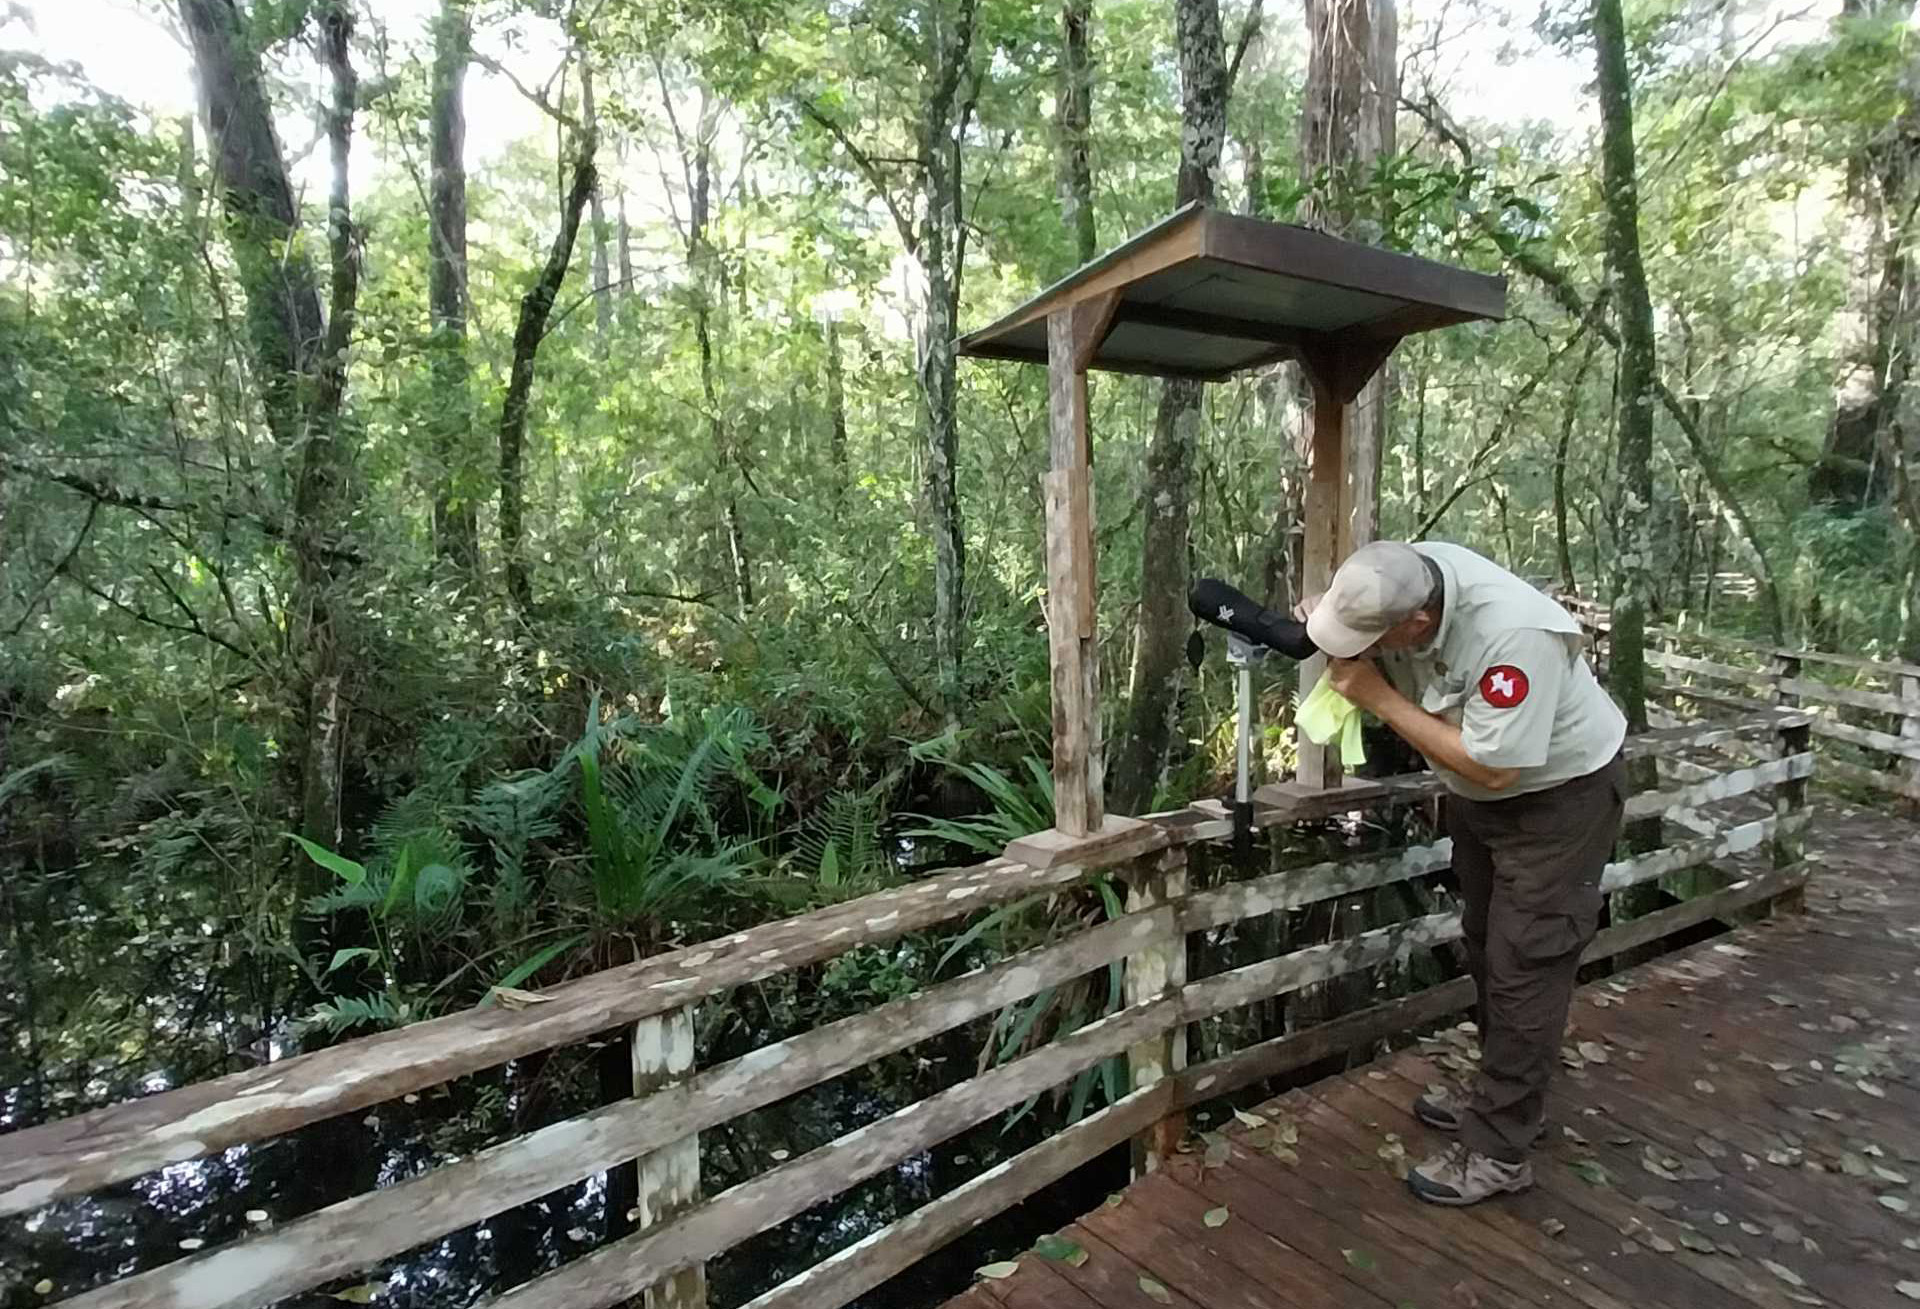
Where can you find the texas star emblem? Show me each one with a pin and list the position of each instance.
(1503, 686)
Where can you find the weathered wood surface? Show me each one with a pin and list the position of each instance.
(1324, 543)
(1114, 837)
(615, 1272)
(360, 1231)
(1909, 780)
(88, 1151)
(670, 1175)
(1873, 777)
(1157, 970)
(1731, 1116)
(896, 1247)
(1073, 645)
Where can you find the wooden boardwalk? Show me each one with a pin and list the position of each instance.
(1745, 1131)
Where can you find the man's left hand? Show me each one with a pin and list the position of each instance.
(1360, 681)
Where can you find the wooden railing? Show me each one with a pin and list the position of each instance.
(1740, 787)
(1865, 711)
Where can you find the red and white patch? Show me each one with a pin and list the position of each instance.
(1503, 686)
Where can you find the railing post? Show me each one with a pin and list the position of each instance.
(1909, 767)
(1159, 968)
(670, 1176)
(1790, 798)
(1784, 668)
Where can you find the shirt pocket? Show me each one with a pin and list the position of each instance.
(1446, 696)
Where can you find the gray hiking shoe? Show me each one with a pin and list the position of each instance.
(1440, 1108)
(1458, 1176)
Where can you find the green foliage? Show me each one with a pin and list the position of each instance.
(1016, 807)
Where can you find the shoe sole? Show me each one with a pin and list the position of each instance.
(1436, 1122)
(1461, 1201)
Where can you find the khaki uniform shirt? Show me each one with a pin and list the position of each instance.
(1508, 668)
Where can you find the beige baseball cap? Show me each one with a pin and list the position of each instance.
(1378, 587)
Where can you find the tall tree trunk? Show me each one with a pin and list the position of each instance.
(319, 508)
(1073, 124)
(623, 234)
(1569, 416)
(836, 411)
(938, 251)
(535, 308)
(284, 320)
(455, 529)
(299, 355)
(704, 275)
(1346, 125)
(1153, 697)
(1633, 576)
(602, 289)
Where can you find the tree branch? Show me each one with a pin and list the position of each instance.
(537, 98)
(93, 510)
(870, 169)
(1249, 33)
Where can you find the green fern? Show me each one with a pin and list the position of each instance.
(54, 767)
(1018, 808)
(344, 1013)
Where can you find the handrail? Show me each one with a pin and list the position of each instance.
(1149, 942)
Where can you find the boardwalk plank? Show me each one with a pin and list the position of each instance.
(1794, 991)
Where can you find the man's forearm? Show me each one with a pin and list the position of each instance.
(1439, 741)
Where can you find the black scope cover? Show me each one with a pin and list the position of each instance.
(1213, 601)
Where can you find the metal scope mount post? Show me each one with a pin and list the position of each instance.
(1242, 655)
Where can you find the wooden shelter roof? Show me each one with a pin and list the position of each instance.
(1206, 294)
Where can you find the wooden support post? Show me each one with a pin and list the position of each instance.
(669, 1176)
(1325, 545)
(1078, 767)
(1908, 769)
(1788, 845)
(1158, 969)
(1784, 667)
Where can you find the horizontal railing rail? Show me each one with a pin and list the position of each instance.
(1870, 705)
(1742, 786)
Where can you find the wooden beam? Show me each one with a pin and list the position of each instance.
(1322, 550)
(1155, 971)
(1072, 595)
(669, 1176)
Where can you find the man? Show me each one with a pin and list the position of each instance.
(1485, 676)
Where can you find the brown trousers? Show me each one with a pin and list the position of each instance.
(1529, 871)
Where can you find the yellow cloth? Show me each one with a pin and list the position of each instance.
(1326, 714)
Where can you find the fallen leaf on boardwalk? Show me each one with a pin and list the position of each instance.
(1751, 1229)
(1831, 1115)
(1660, 1204)
(361, 1294)
(1909, 1289)
(1217, 1155)
(514, 998)
(579, 1235)
(1573, 1136)
(1894, 1203)
(1216, 1217)
(1359, 1259)
(1782, 1272)
(1709, 1147)
(1154, 1291)
(192, 1243)
(1720, 1219)
(1783, 1158)
(260, 1215)
(1657, 1242)
(1889, 1175)
(1552, 1226)
(778, 1155)
(1061, 1250)
(1619, 1140)
(1634, 1056)
(1285, 1156)
(1591, 1172)
(1697, 1243)
(996, 1272)
(1786, 1232)
(1872, 1090)
(1703, 1086)
(1785, 1001)
(43, 1287)
(1465, 1296)
(1910, 1243)
(1290, 1134)
(1249, 1120)
(1660, 1166)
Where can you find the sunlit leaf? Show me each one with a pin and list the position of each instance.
(1061, 1250)
(1216, 1217)
(996, 1272)
(1154, 1291)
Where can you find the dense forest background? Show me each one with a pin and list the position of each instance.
(592, 542)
